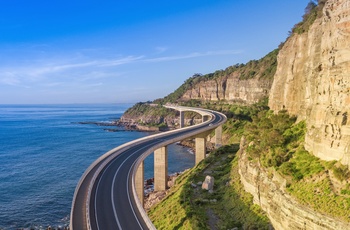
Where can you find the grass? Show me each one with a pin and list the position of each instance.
(312, 185)
(278, 143)
(303, 164)
(320, 196)
(227, 207)
(262, 69)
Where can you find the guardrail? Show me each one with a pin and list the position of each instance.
(118, 150)
(162, 144)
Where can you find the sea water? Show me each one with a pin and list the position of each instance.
(44, 151)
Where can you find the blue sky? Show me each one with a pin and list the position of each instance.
(84, 51)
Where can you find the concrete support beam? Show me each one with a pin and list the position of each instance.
(161, 168)
(200, 148)
(218, 137)
(205, 118)
(139, 182)
(182, 119)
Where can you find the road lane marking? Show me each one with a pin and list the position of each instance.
(128, 192)
(97, 188)
(113, 182)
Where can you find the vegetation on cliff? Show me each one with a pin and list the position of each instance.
(150, 115)
(276, 141)
(263, 68)
(148, 108)
(188, 206)
(312, 12)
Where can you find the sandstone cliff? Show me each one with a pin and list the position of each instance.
(230, 88)
(269, 192)
(244, 83)
(153, 117)
(312, 81)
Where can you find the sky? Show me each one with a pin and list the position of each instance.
(126, 51)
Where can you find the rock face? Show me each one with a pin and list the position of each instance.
(312, 81)
(284, 212)
(230, 88)
(148, 119)
(134, 121)
(208, 183)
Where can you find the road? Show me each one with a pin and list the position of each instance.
(104, 197)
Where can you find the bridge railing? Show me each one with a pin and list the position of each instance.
(162, 144)
(116, 151)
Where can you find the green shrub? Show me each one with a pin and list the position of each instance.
(341, 172)
(312, 12)
(263, 68)
(301, 165)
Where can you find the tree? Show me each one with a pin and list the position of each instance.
(197, 75)
(310, 6)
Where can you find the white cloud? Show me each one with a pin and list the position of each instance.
(161, 49)
(11, 79)
(193, 55)
(121, 61)
(51, 73)
(78, 74)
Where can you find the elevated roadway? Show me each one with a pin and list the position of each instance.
(106, 198)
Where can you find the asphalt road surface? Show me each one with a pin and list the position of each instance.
(111, 204)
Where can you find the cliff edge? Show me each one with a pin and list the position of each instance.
(312, 81)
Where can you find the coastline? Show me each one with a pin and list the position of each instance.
(154, 197)
(41, 171)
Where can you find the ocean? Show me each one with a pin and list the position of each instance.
(44, 151)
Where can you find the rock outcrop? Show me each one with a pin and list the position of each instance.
(243, 83)
(312, 81)
(153, 117)
(230, 88)
(208, 183)
(135, 120)
(284, 212)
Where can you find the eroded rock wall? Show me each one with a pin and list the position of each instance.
(231, 89)
(284, 212)
(313, 81)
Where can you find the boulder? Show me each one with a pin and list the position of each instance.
(208, 183)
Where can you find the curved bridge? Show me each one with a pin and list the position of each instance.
(109, 195)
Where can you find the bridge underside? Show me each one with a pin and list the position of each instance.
(161, 163)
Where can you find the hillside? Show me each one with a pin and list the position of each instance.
(317, 63)
(245, 83)
(293, 159)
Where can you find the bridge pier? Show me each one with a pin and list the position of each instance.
(161, 169)
(218, 137)
(205, 118)
(200, 148)
(139, 182)
(182, 119)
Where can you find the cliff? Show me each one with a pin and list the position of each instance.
(230, 88)
(312, 81)
(284, 211)
(243, 83)
(152, 117)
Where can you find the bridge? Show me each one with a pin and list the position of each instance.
(110, 193)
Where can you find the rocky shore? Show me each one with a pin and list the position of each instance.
(46, 228)
(154, 197)
(122, 125)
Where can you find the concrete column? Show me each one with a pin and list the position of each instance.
(182, 119)
(200, 148)
(204, 118)
(161, 168)
(218, 137)
(139, 182)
